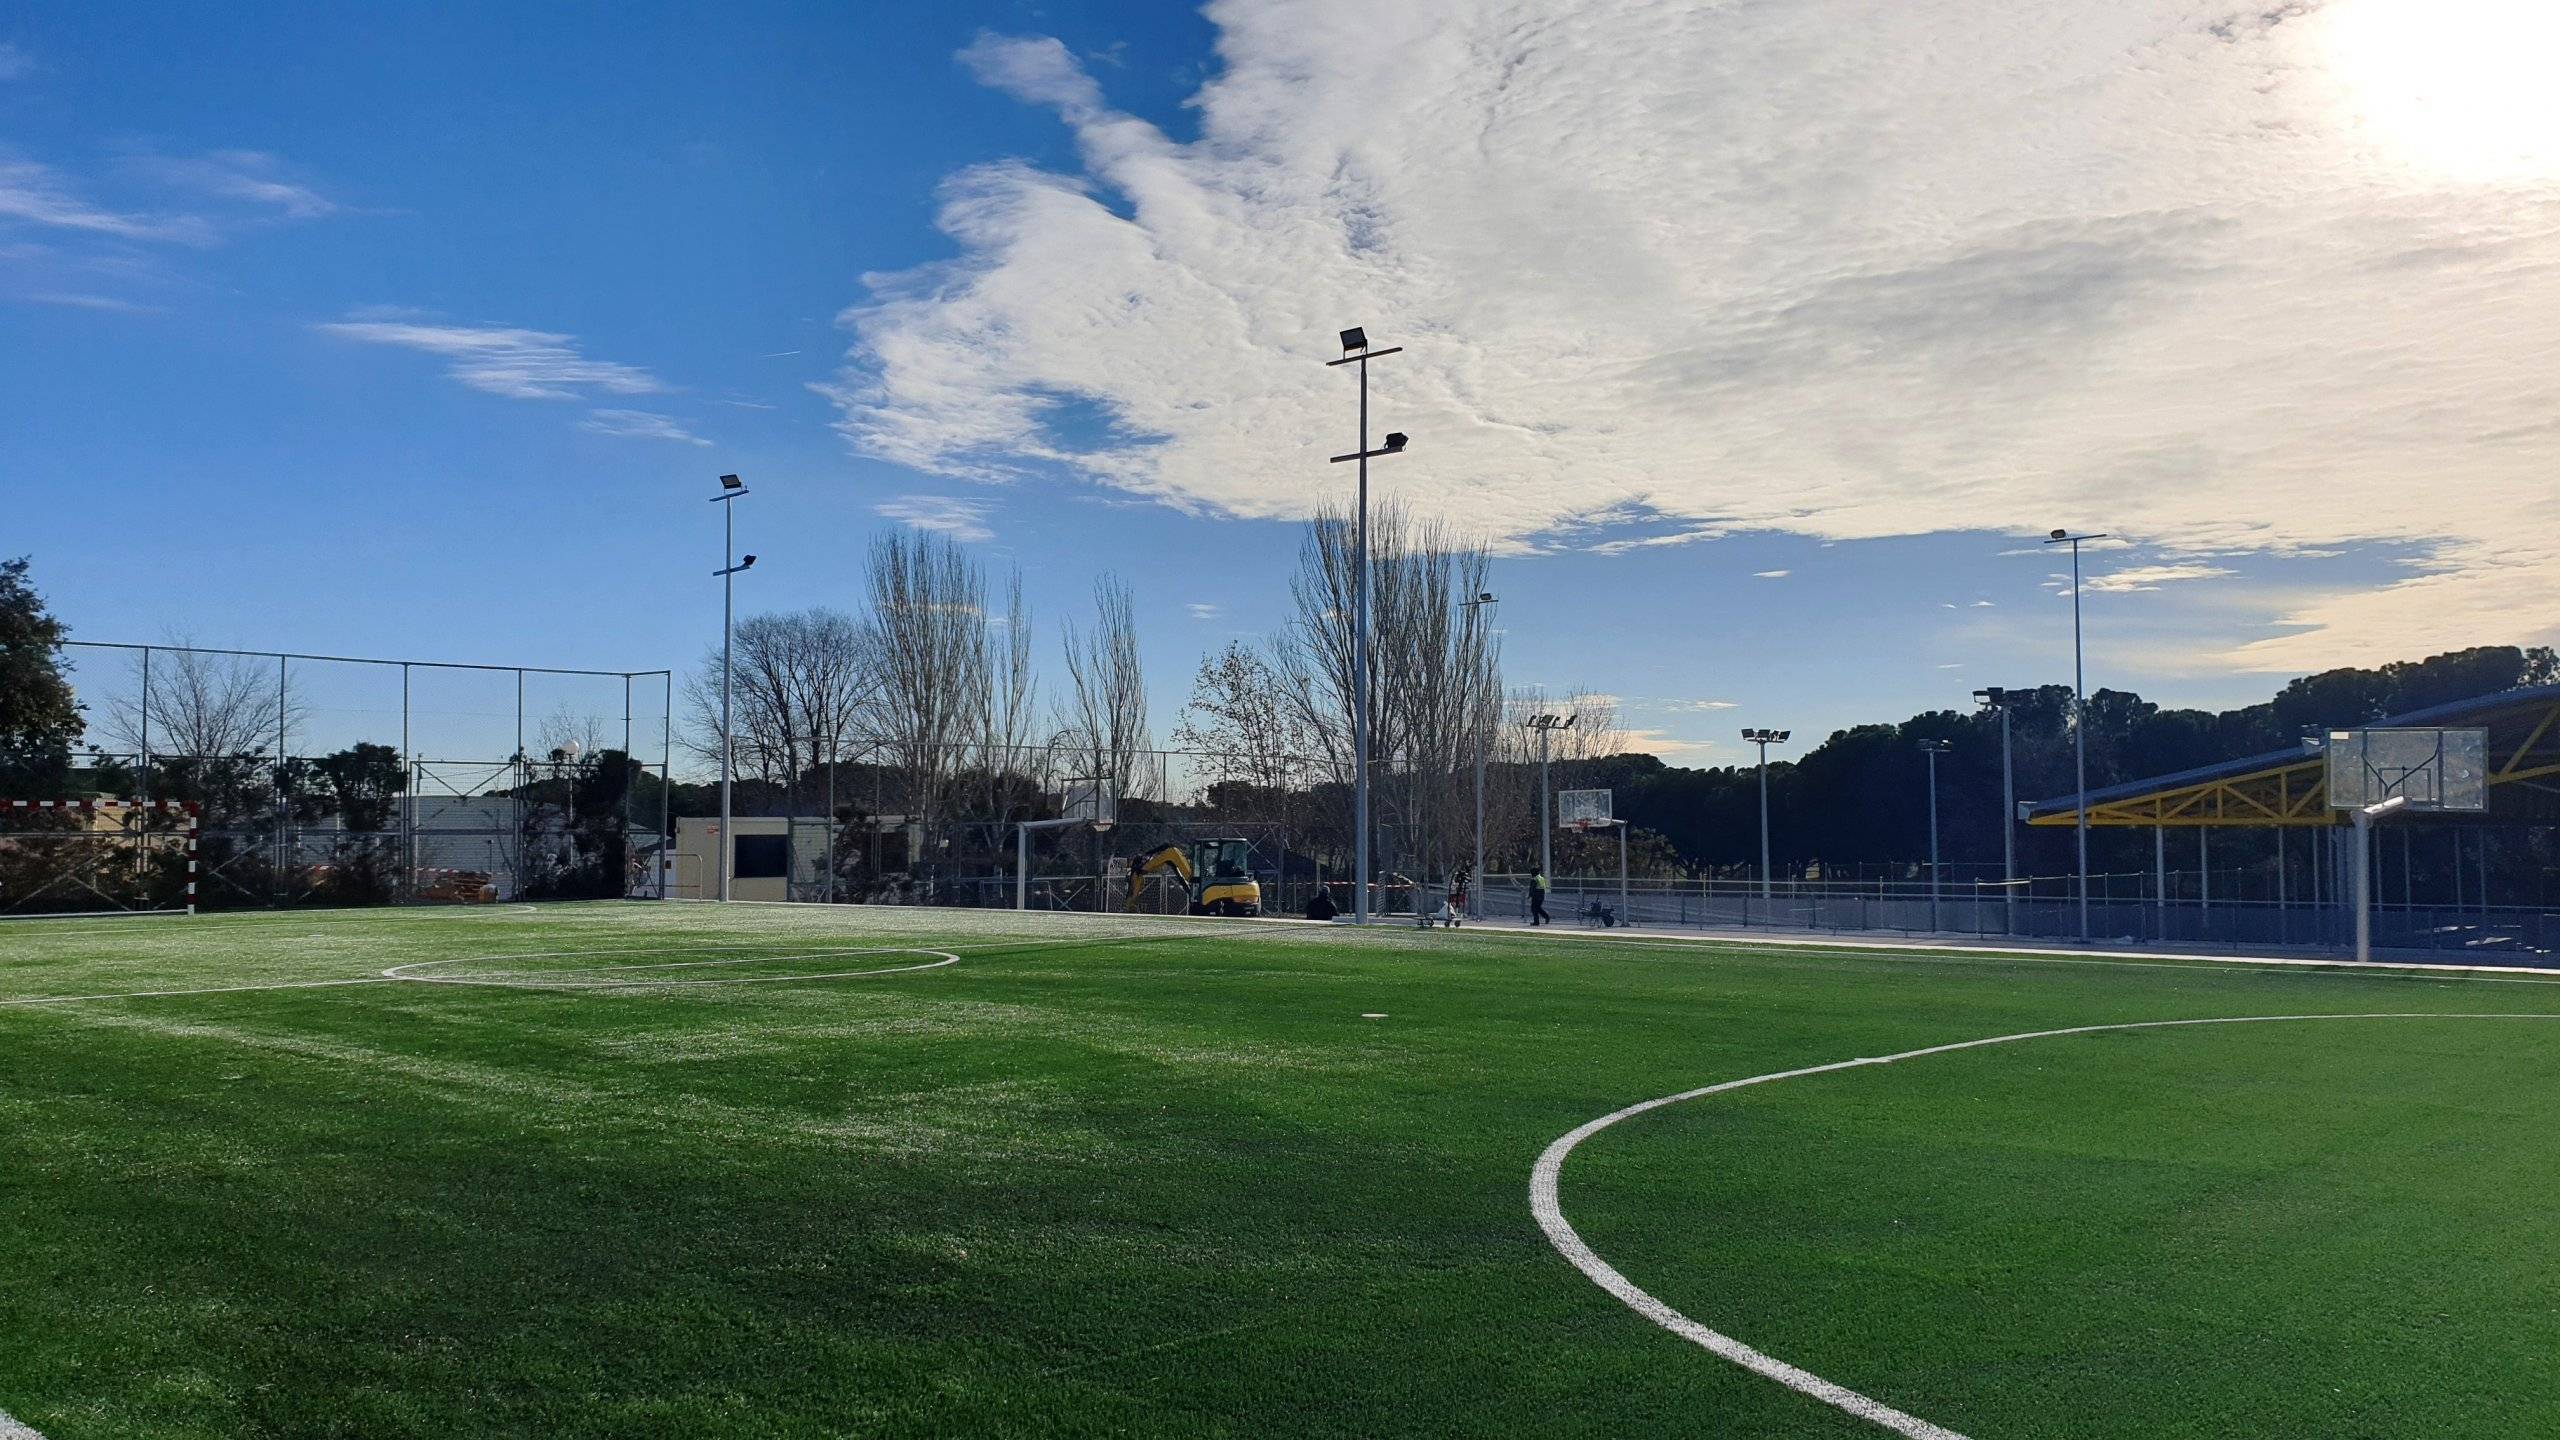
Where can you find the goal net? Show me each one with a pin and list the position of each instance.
(97, 857)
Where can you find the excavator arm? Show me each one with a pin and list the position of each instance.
(1169, 858)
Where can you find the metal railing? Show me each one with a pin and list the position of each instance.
(2494, 934)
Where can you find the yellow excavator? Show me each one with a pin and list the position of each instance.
(1217, 874)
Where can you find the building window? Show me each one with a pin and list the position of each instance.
(763, 857)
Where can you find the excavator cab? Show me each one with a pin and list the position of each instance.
(1217, 873)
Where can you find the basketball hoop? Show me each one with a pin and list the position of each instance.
(1583, 811)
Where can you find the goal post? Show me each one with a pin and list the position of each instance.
(98, 857)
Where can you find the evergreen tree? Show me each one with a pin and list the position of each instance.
(39, 716)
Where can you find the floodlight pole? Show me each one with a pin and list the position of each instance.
(1764, 739)
(730, 490)
(1999, 699)
(2079, 724)
(1933, 749)
(1546, 725)
(1356, 341)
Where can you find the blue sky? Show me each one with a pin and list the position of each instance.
(423, 331)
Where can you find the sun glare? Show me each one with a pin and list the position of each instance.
(2461, 89)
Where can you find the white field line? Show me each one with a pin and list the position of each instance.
(394, 975)
(538, 982)
(208, 990)
(12, 1429)
(1569, 1243)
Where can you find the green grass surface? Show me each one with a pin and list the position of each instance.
(1161, 1178)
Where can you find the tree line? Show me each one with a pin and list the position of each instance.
(1861, 795)
(930, 689)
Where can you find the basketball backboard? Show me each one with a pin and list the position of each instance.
(2430, 769)
(1583, 809)
(1090, 801)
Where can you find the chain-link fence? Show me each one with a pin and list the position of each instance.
(316, 778)
(2483, 933)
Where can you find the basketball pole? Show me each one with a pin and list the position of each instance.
(2365, 816)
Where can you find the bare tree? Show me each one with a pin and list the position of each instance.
(1103, 716)
(203, 704)
(799, 690)
(1242, 721)
(1007, 705)
(1435, 671)
(928, 646)
(567, 725)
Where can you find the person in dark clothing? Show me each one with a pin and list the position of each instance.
(1322, 907)
(1538, 898)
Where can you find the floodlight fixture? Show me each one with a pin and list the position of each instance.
(1355, 338)
(1938, 747)
(1395, 441)
(1484, 597)
(732, 482)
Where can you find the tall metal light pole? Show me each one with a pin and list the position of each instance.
(1483, 599)
(1933, 749)
(1994, 698)
(731, 488)
(1355, 350)
(1764, 739)
(1547, 725)
(2079, 723)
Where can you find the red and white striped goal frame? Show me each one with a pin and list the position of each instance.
(186, 808)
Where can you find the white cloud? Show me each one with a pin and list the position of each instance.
(1771, 574)
(1665, 746)
(960, 519)
(2152, 577)
(251, 177)
(519, 364)
(34, 194)
(1833, 268)
(75, 300)
(638, 425)
(1202, 610)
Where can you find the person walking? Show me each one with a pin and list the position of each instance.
(1538, 897)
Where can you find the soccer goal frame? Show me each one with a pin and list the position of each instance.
(132, 824)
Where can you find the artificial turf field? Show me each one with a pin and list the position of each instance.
(1138, 1177)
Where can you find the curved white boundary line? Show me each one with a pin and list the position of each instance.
(401, 972)
(1568, 1243)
